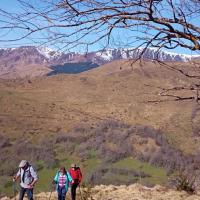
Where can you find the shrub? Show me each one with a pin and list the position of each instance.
(186, 181)
(111, 140)
(106, 175)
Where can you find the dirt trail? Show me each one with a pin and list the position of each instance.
(132, 192)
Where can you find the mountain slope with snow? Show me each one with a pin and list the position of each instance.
(16, 60)
(151, 54)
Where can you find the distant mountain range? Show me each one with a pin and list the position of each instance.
(34, 61)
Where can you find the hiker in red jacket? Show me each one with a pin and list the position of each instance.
(76, 175)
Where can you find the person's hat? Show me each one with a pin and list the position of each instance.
(22, 163)
(73, 165)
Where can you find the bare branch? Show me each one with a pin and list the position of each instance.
(156, 23)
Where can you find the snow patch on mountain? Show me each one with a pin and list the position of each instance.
(106, 55)
(44, 55)
(185, 57)
(149, 53)
(49, 53)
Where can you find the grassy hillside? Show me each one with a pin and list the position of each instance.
(54, 120)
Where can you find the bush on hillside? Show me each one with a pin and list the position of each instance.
(106, 175)
(111, 140)
(185, 180)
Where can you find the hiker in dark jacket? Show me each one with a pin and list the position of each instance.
(62, 180)
(76, 175)
(28, 178)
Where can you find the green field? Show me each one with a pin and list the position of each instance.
(158, 175)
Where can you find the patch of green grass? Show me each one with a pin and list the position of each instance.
(45, 179)
(67, 160)
(158, 175)
(118, 179)
(91, 163)
(7, 186)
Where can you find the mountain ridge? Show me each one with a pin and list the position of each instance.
(108, 54)
(26, 60)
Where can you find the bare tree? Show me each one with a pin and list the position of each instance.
(68, 23)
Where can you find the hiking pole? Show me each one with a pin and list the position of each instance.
(14, 189)
(50, 194)
(52, 188)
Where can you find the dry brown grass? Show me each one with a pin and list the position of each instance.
(41, 107)
(132, 192)
(56, 104)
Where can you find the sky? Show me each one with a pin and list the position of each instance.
(120, 36)
(11, 6)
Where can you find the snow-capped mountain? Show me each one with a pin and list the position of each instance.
(151, 54)
(48, 53)
(34, 55)
(41, 55)
(109, 55)
(27, 57)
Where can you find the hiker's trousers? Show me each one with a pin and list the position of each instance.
(29, 193)
(61, 193)
(73, 191)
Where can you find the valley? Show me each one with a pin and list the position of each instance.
(110, 120)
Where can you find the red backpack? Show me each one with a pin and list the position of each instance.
(76, 174)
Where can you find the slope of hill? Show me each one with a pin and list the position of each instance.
(139, 192)
(136, 192)
(106, 119)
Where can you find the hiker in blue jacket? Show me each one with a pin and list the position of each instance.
(62, 180)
